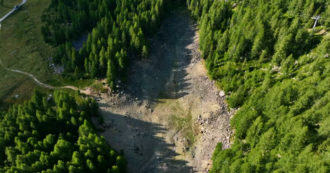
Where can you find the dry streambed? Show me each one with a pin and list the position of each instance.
(170, 116)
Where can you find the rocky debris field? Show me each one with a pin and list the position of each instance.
(170, 116)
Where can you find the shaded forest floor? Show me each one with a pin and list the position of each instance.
(170, 116)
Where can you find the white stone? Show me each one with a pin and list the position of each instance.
(222, 94)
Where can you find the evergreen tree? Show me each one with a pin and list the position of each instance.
(110, 74)
(30, 140)
(267, 57)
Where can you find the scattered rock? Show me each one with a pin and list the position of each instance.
(203, 130)
(222, 94)
(147, 106)
(211, 126)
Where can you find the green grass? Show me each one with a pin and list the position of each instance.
(179, 119)
(184, 124)
(60, 81)
(7, 5)
(22, 48)
(182, 121)
(98, 86)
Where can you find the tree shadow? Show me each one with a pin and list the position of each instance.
(163, 75)
(144, 148)
(78, 43)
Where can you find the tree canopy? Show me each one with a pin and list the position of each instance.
(277, 70)
(53, 134)
(117, 29)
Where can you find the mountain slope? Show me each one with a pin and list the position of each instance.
(277, 70)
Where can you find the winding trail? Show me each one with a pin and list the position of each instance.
(34, 78)
(15, 70)
(38, 82)
(19, 71)
(13, 10)
(170, 87)
(27, 74)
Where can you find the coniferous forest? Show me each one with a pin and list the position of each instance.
(266, 55)
(53, 133)
(118, 30)
(277, 71)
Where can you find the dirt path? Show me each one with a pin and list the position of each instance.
(32, 77)
(27, 74)
(170, 116)
(86, 91)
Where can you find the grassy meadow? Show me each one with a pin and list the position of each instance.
(7, 5)
(22, 48)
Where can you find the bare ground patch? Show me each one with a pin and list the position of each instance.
(170, 116)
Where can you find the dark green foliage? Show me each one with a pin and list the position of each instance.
(277, 70)
(54, 134)
(118, 31)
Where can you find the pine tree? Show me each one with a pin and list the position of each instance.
(145, 52)
(111, 74)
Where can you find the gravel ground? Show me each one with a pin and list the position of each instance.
(173, 82)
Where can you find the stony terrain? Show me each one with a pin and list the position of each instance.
(170, 115)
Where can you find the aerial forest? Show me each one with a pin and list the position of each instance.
(276, 69)
(117, 30)
(53, 133)
(270, 57)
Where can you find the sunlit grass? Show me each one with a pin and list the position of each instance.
(22, 47)
(7, 5)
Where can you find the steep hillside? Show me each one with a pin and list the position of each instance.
(271, 58)
(276, 68)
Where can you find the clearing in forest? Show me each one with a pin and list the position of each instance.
(170, 116)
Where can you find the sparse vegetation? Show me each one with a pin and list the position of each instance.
(182, 121)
